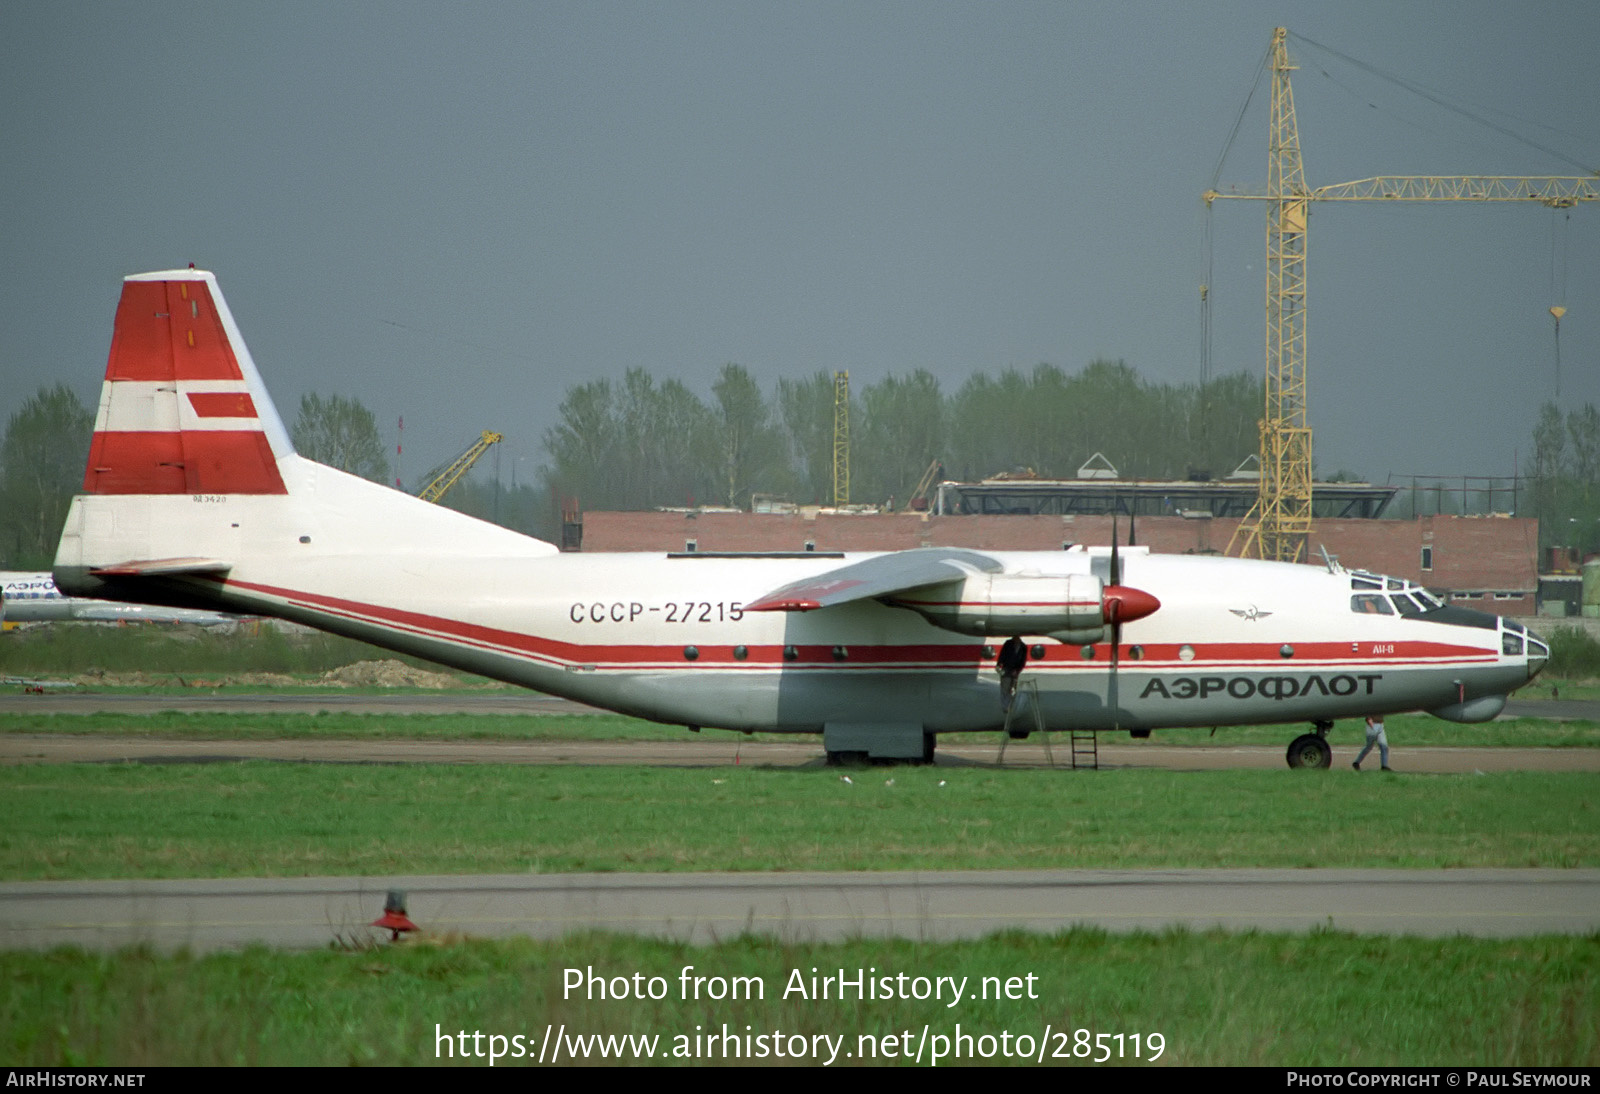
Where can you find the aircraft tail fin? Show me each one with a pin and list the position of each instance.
(194, 492)
(182, 409)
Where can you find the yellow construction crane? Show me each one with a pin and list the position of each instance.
(441, 480)
(841, 438)
(1280, 520)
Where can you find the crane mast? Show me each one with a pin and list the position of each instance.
(1283, 501)
(1280, 520)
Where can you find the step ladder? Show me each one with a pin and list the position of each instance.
(1029, 687)
(1085, 750)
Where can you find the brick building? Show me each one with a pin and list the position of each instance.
(1483, 562)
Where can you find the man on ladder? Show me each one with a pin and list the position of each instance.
(1012, 660)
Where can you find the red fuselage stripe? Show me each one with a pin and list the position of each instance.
(932, 655)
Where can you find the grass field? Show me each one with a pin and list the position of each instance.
(1316, 999)
(274, 819)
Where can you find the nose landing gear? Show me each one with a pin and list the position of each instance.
(1311, 750)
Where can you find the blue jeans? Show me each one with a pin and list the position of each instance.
(1376, 736)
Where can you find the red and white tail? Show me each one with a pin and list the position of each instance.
(195, 497)
(182, 410)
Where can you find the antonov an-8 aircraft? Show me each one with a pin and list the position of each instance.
(195, 498)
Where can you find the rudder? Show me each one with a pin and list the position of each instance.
(182, 409)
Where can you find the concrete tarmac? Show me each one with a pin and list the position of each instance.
(724, 750)
(705, 908)
(455, 702)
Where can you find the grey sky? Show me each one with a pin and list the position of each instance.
(454, 211)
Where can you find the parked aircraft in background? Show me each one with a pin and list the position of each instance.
(195, 498)
(34, 598)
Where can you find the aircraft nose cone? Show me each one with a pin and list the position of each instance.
(1124, 604)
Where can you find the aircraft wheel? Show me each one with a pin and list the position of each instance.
(930, 742)
(843, 758)
(1018, 734)
(1309, 751)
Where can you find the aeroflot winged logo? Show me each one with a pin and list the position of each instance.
(1252, 613)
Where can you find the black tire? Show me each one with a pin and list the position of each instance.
(1308, 752)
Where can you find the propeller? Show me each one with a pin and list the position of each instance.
(1121, 604)
(1113, 615)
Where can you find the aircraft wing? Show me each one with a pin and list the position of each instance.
(876, 577)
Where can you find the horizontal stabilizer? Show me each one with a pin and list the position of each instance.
(876, 577)
(164, 567)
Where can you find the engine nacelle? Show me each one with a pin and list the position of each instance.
(1069, 607)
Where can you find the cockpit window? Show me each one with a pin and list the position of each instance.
(1511, 644)
(1406, 597)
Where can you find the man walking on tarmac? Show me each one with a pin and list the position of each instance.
(1375, 736)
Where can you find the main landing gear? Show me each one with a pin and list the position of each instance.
(857, 757)
(1311, 750)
